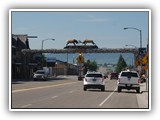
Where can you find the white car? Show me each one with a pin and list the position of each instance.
(129, 80)
(94, 80)
(40, 75)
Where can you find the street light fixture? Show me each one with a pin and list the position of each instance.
(140, 31)
(135, 47)
(45, 40)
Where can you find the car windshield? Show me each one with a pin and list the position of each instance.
(40, 72)
(94, 75)
(131, 74)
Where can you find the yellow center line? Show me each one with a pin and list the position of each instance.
(42, 87)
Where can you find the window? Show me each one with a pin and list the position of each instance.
(94, 75)
(130, 74)
(40, 72)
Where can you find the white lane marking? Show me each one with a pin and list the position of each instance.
(54, 96)
(27, 89)
(26, 105)
(107, 97)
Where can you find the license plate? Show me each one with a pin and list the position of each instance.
(94, 79)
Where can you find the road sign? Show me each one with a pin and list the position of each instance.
(138, 62)
(145, 59)
(145, 67)
(80, 59)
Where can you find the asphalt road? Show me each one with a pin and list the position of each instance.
(67, 92)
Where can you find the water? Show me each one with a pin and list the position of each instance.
(100, 58)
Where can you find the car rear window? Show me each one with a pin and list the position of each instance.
(40, 72)
(130, 74)
(94, 75)
(114, 74)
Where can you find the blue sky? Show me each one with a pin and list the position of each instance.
(105, 28)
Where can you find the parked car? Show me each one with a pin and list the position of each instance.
(94, 80)
(114, 75)
(129, 80)
(40, 75)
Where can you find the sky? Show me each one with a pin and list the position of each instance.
(105, 28)
(154, 58)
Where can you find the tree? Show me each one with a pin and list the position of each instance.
(91, 66)
(121, 65)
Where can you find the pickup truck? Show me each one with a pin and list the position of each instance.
(40, 75)
(129, 80)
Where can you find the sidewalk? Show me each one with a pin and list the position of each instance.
(142, 98)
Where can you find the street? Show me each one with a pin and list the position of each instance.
(67, 92)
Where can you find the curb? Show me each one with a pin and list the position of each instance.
(142, 98)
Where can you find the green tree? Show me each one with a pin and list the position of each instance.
(91, 66)
(121, 65)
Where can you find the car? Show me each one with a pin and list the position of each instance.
(40, 75)
(113, 75)
(129, 80)
(94, 80)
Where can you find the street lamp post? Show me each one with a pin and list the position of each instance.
(140, 31)
(42, 46)
(140, 45)
(45, 40)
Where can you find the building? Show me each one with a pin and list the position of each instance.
(25, 64)
(22, 64)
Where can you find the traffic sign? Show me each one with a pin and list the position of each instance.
(80, 59)
(145, 67)
(138, 62)
(145, 59)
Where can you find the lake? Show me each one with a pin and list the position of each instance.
(100, 58)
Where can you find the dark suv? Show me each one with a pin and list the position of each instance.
(114, 75)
